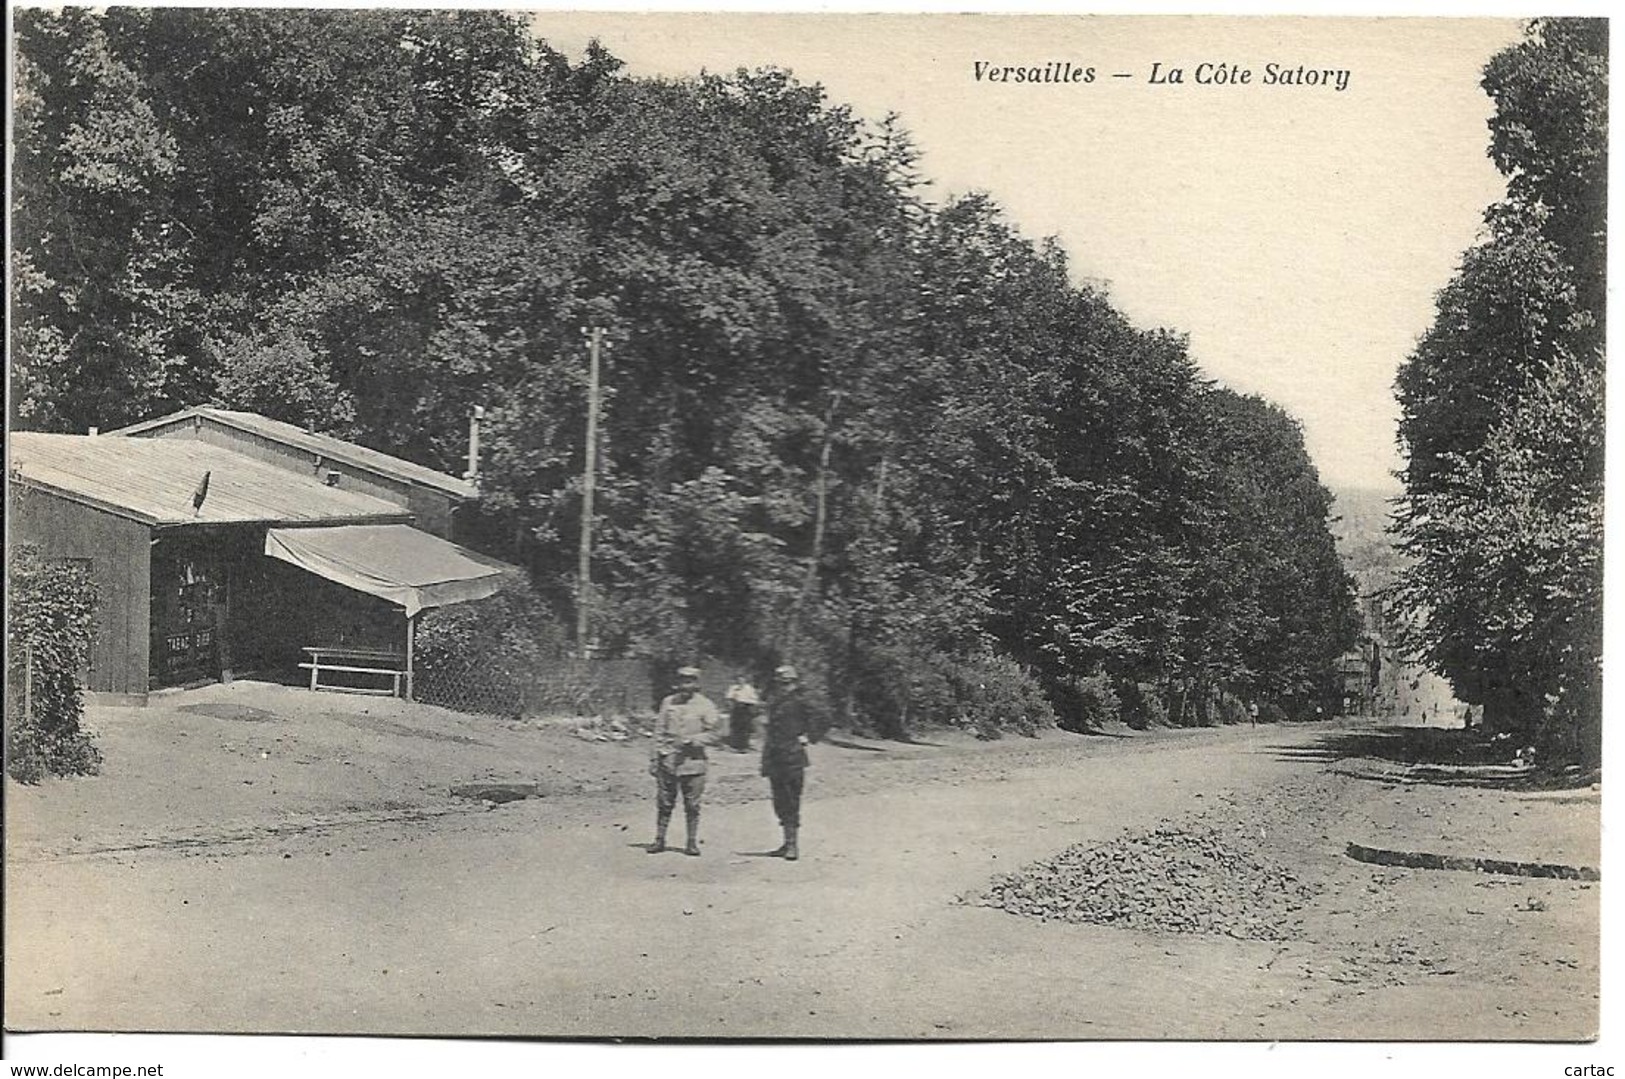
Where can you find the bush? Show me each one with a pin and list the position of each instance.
(996, 694)
(47, 641)
(484, 656)
(892, 694)
(1141, 705)
(983, 693)
(1232, 710)
(1087, 703)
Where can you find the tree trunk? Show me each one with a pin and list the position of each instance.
(821, 493)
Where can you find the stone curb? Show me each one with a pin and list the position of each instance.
(1422, 860)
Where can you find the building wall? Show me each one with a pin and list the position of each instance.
(431, 508)
(277, 610)
(118, 553)
(272, 610)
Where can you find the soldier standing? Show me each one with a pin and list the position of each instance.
(686, 723)
(784, 754)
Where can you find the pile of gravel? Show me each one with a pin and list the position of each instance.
(1192, 878)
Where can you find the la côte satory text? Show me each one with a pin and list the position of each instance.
(1065, 72)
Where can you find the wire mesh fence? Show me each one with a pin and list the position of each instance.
(504, 685)
(470, 684)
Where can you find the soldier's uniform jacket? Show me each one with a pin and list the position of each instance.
(682, 731)
(788, 721)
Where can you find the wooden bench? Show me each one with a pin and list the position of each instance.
(369, 661)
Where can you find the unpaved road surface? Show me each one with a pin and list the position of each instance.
(351, 893)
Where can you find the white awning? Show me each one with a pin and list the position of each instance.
(398, 563)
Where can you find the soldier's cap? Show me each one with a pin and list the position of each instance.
(786, 673)
(688, 672)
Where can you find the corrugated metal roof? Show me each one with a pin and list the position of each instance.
(154, 480)
(326, 445)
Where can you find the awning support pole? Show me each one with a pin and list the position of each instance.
(411, 645)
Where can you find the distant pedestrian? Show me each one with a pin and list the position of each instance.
(1252, 713)
(685, 725)
(784, 754)
(743, 704)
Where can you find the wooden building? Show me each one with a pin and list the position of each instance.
(226, 543)
(430, 497)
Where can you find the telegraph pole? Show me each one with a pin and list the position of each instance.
(588, 476)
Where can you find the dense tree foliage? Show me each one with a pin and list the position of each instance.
(1503, 411)
(889, 439)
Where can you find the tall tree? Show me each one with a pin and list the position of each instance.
(101, 300)
(1502, 411)
(889, 439)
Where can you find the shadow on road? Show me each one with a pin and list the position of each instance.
(1096, 732)
(228, 710)
(1443, 756)
(842, 743)
(1404, 745)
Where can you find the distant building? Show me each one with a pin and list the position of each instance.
(226, 542)
(1359, 676)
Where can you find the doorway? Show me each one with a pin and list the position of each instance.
(188, 612)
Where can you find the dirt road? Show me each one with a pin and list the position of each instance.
(546, 917)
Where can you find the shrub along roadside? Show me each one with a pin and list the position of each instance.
(48, 638)
(1141, 705)
(1087, 703)
(482, 656)
(997, 694)
(982, 692)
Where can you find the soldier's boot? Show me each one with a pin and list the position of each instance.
(661, 821)
(693, 847)
(790, 851)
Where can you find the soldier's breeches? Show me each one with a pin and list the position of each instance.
(667, 786)
(786, 783)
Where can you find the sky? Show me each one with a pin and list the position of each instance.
(1296, 233)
